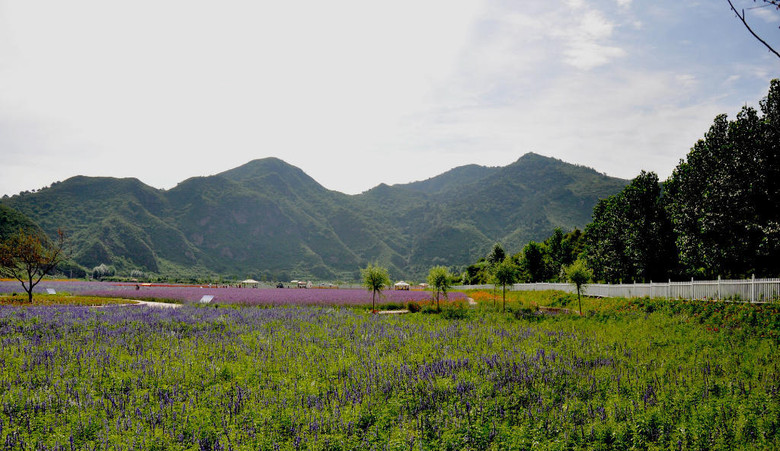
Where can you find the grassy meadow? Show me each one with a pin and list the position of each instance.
(629, 374)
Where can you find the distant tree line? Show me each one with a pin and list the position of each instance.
(718, 214)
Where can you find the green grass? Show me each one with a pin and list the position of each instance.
(632, 374)
(21, 300)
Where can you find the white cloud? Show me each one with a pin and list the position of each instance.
(768, 14)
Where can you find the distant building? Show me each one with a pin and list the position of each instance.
(401, 285)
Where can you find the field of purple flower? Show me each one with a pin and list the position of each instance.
(324, 379)
(232, 295)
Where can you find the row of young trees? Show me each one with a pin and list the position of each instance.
(718, 214)
(376, 279)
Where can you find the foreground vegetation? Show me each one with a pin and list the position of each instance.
(629, 374)
(41, 300)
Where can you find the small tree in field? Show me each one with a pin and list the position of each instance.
(375, 279)
(505, 273)
(440, 281)
(28, 256)
(579, 274)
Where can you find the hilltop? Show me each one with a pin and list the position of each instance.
(270, 220)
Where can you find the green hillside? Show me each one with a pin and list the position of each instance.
(11, 221)
(270, 220)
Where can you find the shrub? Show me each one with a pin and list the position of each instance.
(413, 307)
(102, 271)
(430, 308)
(527, 313)
(455, 310)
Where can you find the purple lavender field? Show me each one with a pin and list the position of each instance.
(232, 295)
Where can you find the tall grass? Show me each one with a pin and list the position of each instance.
(330, 378)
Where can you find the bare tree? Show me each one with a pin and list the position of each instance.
(741, 15)
(28, 256)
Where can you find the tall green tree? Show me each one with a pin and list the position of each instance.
(375, 279)
(534, 262)
(724, 198)
(440, 281)
(562, 250)
(630, 237)
(573, 245)
(496, 255)
(555, 252)
(476, 274)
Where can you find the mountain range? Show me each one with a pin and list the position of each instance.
(270, 220)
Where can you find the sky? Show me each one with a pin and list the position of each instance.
(361, 92)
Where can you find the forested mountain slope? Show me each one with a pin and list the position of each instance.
(268, 219)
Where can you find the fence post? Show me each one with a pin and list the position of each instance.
(718, 293)
(692, 298)
(753, 289)
(669, 289)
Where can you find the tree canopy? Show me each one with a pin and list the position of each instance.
(718, 214)
(440, 281)
(27, 256)
(724, 199)
(375, 279)
(505, 273)
(630, 237)
(579, 274)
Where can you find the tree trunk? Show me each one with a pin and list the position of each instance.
(29, 291)
(373, 304)
(579, 300)
(503, 306)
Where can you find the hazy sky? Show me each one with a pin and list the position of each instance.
(359, 92)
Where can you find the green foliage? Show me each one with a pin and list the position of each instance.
(439, 280)
(496, 255)
(455, 310)
(11, 221)
(28, 256)
(413, 307)
(477, 273)
(534, 262)
(579, 274)
(59, 299)
(724, 199)
(375, 279)
(102, 271)
(267, 217)
(319, 378)
(718, 215)
(505, 273)
(630, 238)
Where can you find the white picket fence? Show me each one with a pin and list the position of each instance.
(748, 290)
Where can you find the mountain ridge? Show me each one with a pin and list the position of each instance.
(269, 219)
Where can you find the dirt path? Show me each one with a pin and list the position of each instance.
(157, 304)
(136, 302)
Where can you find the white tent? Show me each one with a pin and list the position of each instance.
(401, 285)
(248, 282)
